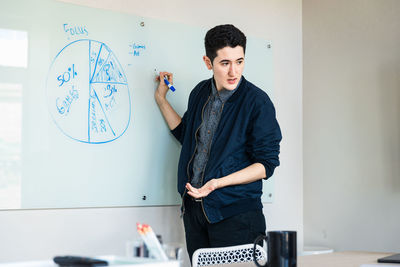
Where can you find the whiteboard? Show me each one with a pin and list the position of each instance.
(85, 129)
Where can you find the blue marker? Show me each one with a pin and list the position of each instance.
(170, 86)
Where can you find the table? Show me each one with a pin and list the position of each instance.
(342, 259)
(335, 259)
(114, 261)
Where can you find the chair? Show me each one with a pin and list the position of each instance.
(227, 255)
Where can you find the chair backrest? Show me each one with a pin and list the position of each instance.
(227, 255)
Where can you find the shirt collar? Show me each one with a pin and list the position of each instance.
(224, 94)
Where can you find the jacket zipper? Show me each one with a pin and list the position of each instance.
(208, 157)
(187, 167)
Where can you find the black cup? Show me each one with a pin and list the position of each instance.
(282, 249)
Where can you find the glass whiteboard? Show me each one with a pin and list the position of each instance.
(79, 124)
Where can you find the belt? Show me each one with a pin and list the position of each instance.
(194, 199)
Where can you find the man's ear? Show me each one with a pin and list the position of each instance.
(208, 62)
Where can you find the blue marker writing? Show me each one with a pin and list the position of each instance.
(170, 86)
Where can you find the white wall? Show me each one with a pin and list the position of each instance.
(41, 234)
(352, 124)
(38, 234)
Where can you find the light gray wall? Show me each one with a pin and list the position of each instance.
(352, 124)
(40, 234)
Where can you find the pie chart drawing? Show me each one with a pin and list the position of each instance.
(87, 93)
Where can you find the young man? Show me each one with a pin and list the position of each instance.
(230, 142)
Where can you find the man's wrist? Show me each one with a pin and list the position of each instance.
(219, 183)
(161, 100)
(216, 183)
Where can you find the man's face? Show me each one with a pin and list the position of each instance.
(227, 67)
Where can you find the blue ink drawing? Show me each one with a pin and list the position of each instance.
(87, 93)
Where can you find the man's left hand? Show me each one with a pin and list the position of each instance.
(203, 191)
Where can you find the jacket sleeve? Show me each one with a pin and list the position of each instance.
(264, 137)
(179, 131)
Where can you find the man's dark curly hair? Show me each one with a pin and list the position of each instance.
(222, 36)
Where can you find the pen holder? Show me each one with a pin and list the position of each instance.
(174, 251)
(136, 248)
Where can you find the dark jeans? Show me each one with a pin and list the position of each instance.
(236, 230)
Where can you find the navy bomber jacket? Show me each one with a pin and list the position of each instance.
(247, 133)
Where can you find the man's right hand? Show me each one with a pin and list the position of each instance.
(162, 89)
(171, 117)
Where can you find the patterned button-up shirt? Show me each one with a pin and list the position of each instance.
(211, 116)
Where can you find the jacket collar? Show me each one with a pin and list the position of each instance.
(238, 91)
